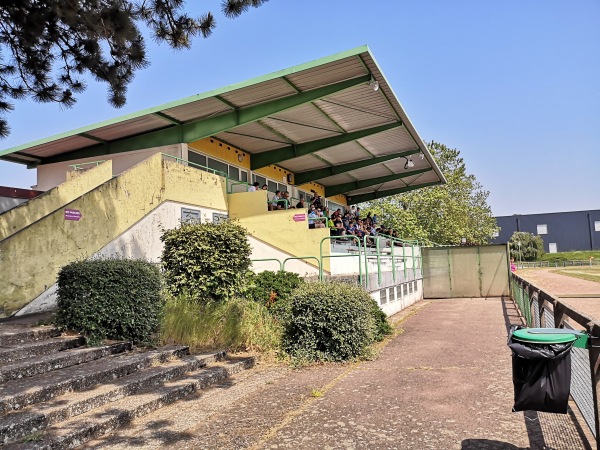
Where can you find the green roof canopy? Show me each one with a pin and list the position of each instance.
(335, 121)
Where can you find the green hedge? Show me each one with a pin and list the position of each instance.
(207, 261)
(110, 299)
(328, 321)
(270, 287)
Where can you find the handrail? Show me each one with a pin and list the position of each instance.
(302, 257)
(78, 166)
(269, 259)
(360, 274)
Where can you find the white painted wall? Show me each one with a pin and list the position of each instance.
(51, 175)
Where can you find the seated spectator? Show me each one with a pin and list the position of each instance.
(284, 202)
(320, 223)
(300, 204)
(274, 202)
(265, 187)
(254, 187)
(338, 230)
(312, 215)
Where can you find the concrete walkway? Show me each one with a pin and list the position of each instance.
(443, 382)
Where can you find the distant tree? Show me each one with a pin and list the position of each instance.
(526, 246)
(47, 46)
(443, 214)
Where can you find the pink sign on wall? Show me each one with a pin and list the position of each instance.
(299, 217)
(72, 214)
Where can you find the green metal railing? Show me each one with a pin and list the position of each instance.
(333, 238)
(269, 259)
(302, 258)
(80, 166)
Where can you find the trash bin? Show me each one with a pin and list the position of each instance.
(541, 365)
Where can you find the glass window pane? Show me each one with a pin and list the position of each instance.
(197, 158)
(272, 186)
(217, 165)
(261, 180)
(234, 173)
(244, 176)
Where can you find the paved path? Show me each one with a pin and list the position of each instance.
(582, 295)
(443, 382)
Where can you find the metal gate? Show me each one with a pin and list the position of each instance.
(481, 271)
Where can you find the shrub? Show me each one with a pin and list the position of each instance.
(526, 246)
(382, 326)
(270, 287)
(209, 261)
(328, 321)
(232, 324)
(110, 299)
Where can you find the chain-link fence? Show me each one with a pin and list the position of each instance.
(539, 309)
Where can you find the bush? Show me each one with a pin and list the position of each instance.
(233, 324)
(208, 261)
(270, 287)
(526, 246)
(382, 326)
(328, 321)
(110, 299)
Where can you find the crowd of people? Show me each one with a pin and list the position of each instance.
(348, 223)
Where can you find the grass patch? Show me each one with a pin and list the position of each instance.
(583, 273)
(233, 325)
(315, 393)
(571, 256)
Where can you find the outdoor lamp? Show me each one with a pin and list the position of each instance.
(409, 162)
(374, 84)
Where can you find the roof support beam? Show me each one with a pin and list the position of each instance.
(192, 131)
(342, 188)
(294, 151)
(317, 174)
(355, 199)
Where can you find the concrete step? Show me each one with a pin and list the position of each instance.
(92, 424)
(59, 361)
(17, 394)
(16, 352)
(21, 334)
(18, 424)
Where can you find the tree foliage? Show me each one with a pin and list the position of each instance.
(526, 246)
(443, 214)
(48, 47)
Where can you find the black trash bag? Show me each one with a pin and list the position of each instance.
(541, 375)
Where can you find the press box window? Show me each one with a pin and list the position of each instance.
(542, 229)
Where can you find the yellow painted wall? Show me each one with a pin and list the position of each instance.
(220, 150)
(278, 228)
(247, 204)
(30, 260)
(27, 213)
(313, 186)
(276, 173)
(339, 199)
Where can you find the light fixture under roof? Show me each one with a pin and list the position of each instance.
(374, 84)
(409, 162)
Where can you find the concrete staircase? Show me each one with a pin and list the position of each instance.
(56, 393)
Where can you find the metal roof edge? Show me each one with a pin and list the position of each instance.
(277, 74)
(412, 129)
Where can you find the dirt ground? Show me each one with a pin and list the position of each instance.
(580, 294)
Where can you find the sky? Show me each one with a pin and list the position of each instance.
(513, 85)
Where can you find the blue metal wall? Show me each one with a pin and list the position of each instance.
(569, 230)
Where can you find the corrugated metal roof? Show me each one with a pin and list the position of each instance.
(315, 119)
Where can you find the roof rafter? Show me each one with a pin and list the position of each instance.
(192, 131)
(317, 174)
(293, 151)
(355, 199)
(360, 184)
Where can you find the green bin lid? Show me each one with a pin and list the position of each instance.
(545, 335)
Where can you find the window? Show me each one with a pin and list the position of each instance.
(399, 291)
(218, 218)
(405, 289)
(261, 180)
(190, 215)
(415, 286)
(597, 225)
(410, 288)
(244, 176)
(552, 247)
(542, 229)
(272, 186)
(197, 158)
(382, 296)
(391, 294)
(234, 173)
(217, 165)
